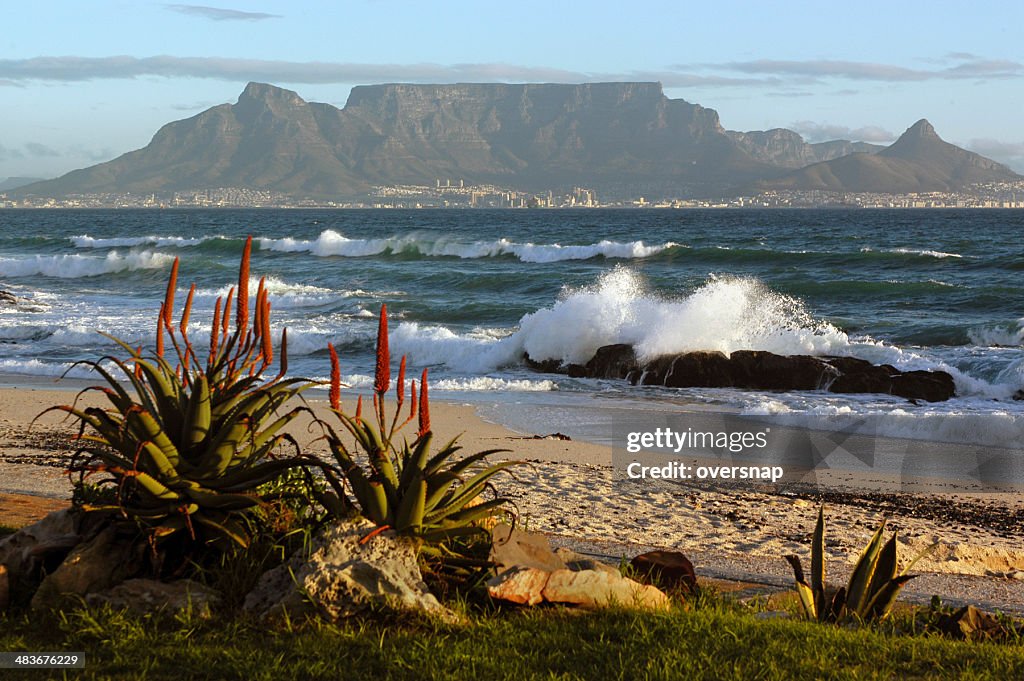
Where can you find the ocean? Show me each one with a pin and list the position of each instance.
(469, 292)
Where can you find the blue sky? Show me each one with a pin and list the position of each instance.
(82, 82)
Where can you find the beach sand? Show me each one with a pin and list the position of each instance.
(567, 490)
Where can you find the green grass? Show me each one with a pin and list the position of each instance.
(713, 641)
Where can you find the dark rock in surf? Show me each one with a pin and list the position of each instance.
(612, 361)
(759, 370)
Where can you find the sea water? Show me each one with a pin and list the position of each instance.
(470, 291)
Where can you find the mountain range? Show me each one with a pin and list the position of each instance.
(618, 138)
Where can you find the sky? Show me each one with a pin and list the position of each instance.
(83, 82)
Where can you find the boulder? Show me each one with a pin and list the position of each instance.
(514, 548)
(103, 561)
(345, 575)
(612, 361)
(669, 570)
(1019, 395)
(40, 546)
(521, 585)
(860, 376)
(141, 596)
(930, 386)
(759, 370)
(590, 589)
(767, 371)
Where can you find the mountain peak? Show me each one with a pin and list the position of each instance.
(921, 129)
(264, 92)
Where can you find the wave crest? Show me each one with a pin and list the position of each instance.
(332, 243)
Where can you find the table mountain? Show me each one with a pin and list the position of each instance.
(622, 139)
(626, 137)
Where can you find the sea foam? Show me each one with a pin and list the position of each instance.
(86, 241)
(331, 243)
(75, 266)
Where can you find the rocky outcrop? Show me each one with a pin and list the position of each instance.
(345, 574)
(529, 572)
(39, 547)
(97, 564)
(758, 370)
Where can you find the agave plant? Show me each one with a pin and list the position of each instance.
(873, 587)
(185, 445)
(433, 495)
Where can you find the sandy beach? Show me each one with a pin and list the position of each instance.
(567, 491)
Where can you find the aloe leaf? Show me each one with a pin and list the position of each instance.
(818, 560)
(409, 515)
(881, 604)
(856, 591)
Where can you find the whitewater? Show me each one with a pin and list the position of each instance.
(472, 292)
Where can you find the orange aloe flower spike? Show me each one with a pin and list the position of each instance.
(424, 406)
(187, 312)
(160, 331)
(412, 401)
(167, 311)
(400, 385)
(227, 306)
(382, 375)
(268, 341)
(242, 315)
(215, 329)
(359, 408)
(335, 393)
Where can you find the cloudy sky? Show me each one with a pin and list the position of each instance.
(82, 82)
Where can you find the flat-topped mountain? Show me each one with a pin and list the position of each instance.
(609, 136)
(624, 139)
(919, 161)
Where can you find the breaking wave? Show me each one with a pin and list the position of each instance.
(331, 243)
(75, 266)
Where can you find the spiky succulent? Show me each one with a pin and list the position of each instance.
(404, 486)
(873, 586)
(185, 446)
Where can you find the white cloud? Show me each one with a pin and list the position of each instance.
(822, 132)
(220, 14)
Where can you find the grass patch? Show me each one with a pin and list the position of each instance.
(709, 641)
(7, 529)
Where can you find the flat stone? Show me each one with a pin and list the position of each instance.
(142, 596)
(512, 548)
(522, 586)
(592, 589)
(577, 561)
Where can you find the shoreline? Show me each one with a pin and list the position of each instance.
(568, 491)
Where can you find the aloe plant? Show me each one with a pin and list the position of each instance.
(873, 586)
(407, 487)
(185, 446)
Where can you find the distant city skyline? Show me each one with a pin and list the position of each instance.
(82, 83)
